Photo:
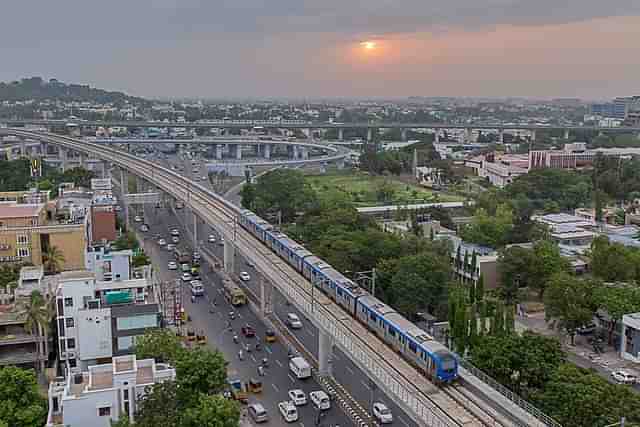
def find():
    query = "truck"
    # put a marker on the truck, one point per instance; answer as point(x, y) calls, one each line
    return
point(233, 293)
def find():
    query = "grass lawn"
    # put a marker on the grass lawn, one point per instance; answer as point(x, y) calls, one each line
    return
point(362, 189)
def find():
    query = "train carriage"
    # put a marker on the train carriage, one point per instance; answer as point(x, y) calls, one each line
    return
point(256, 225)
point(371, 311)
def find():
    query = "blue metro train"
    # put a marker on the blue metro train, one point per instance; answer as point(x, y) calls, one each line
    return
point(414, 344)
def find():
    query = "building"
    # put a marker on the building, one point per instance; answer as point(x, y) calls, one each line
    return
point(19, 346)
point(103, 218)
point(572, 233)
point(32, 196)
point(27, 231)
point(501, 169)
point(608, 109)
point(104, 392)
point(99, 313)
point(470, 261)
point(630, 342)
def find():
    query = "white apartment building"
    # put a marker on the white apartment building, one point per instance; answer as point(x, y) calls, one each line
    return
point(104, 392)
point(100, 312)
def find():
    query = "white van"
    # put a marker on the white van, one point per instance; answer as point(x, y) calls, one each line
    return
point(300, 367)
point(320, 399)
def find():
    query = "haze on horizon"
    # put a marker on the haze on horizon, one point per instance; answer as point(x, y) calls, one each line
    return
point(334, 48)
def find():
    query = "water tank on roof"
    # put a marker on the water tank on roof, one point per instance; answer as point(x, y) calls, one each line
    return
point(118, 297)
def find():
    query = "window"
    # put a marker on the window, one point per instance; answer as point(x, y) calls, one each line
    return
point(72, 363)
point(104, 411)
point(23, 252)
point(71, 343)
point(68, 302)
point(137, 322)
point(61, 327)
point(125, 343)
point(125, 394)
point(22, 239)
point(69, 322)
point(60, 307)
point(413, 347)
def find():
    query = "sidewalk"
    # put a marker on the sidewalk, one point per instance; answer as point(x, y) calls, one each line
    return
point(581, 353)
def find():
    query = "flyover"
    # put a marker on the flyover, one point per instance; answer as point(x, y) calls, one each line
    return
point(246, 124)
point(427, 404)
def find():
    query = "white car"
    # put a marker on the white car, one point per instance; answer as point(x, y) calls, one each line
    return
point(244, 276)
point(172, 265)
point(144, 228)
point(196, 288)
point(186, 277)
point(171, 246)
point(320, 399)
point(382, 413)
point(138, 218)
point(175, 232)
point(212, 238)
point(204, 178)
point(185, 267)
point(221, 241)
point(288, 411)
point(162, 242)
point(175, 239)
point(298, 397)
point(294, 321)
point(624, 377)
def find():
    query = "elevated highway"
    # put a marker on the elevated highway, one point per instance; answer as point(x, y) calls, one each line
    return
point(428, 405)
point(246, 124)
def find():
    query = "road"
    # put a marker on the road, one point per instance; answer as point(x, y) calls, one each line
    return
point(344, 370)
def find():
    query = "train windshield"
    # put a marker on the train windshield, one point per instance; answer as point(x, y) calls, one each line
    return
point(448, 362)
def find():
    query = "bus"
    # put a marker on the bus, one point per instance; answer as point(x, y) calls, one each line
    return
point(234, 294)
point(182, 256)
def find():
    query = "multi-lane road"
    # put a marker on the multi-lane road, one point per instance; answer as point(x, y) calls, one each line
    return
point(278, 379)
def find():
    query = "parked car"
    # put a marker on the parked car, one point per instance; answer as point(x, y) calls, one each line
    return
point(258, 413)
point(196, 288)
point(171, 246)
point(382, 413)
point(172, 265)
point(212, 238)
point(186, 277)
point(175, 232)
point(586, 329)
point(144, 228)
point(294, 321)
point(624, 377)
point(244, 276)
point(137, 218)
point(175, 239)
point(162, 242)
point(298, 397)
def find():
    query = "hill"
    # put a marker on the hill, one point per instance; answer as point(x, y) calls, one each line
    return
point(35, 88)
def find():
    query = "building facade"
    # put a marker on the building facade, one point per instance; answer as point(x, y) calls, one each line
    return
point(630, 342)
point(27, 231)
point(103, 393)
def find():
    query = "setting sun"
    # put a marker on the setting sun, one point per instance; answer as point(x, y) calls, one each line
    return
point(369, 45)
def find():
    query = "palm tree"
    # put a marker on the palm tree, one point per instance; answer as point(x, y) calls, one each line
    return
point(37, 314)
point(53, 260)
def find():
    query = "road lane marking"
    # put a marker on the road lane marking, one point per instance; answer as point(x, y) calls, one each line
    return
point(279, 363)
point(365, 384)
point(275, 387)
point(350, 370)
point(254, 359)
point(291, 378)
point(403, 421)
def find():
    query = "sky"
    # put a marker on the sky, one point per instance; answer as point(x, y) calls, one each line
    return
point(314, 48)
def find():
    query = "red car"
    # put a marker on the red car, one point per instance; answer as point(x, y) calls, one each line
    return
point(248, 331)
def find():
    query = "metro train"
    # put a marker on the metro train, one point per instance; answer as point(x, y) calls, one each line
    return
point(415, 345)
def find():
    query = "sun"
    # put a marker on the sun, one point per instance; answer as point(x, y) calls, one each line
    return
point(369, 45)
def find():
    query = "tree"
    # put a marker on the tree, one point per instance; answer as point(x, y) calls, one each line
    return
point(212, 411)
point(127, 240)
point(140, 259)
point(569, 302)
point(21, 403)
point(521, 363)
point(159, 406)
point(612, 262)
point(576, 397)
point(53, 260)
point(79, 176)
point(248, 196)
point(513, 266)
point(284, 192)
point(161, 345)
point(200, 371)
point(480, 288)
point(547, 261)
point(488, 230)
point(38, 315)
point(618, 301)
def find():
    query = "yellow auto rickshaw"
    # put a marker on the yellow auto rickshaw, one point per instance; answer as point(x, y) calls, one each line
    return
point(255, 386)
point(270, 336)
point(202, 338)
point(191, 335)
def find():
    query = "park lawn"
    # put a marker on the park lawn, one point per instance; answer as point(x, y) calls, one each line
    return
point(361, 189)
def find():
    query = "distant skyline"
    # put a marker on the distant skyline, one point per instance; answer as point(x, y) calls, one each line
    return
point(336, 48)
